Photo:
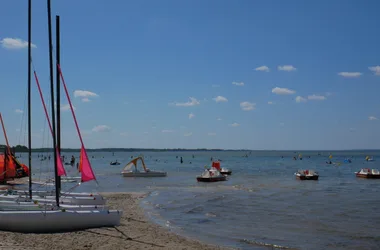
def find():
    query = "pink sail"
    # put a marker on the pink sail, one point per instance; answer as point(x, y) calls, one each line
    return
point(85, 167)
point(61, 169)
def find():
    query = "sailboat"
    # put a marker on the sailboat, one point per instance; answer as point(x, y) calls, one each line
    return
point(48, 198)
point(58, 220)
point(10, 167)
point(89, 198)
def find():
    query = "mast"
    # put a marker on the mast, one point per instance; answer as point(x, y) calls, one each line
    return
point(57, 189)
point(58, 86)
point(30, 95)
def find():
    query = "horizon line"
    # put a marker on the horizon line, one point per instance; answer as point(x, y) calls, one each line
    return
point(203, 149)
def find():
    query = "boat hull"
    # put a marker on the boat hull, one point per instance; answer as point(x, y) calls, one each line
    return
point(51, 199)
point(14, 205)
point(57, 221)
point(52, 193)
point(144, 174)
point(226, 172)
point(368, 176)
point(211, 179)
point(303, 177)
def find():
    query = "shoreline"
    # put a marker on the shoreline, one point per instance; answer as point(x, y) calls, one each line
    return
point(136, 231)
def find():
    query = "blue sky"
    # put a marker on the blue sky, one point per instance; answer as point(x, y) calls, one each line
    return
point(253, 74)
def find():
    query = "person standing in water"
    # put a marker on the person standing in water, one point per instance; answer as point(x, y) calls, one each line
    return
point(72, 162)
point(181, 160)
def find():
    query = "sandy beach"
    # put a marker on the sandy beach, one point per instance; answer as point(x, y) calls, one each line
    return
point(135, 232)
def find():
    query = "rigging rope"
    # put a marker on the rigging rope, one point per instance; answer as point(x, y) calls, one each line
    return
point(22, 121)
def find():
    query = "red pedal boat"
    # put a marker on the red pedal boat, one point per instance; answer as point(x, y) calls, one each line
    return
point(368, 173)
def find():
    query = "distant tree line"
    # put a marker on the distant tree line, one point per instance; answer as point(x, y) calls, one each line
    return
point(17, 148)
point(21, 148)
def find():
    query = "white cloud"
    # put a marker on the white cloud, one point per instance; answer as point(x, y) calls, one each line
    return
point(191, 115)
point(234, 124)
point(220, 99)
point(101, 128)
point(66, 107)
point(86, 132)
point(219, 119)
point(167, 131)
point(375, 70)
point(350, 74)
point(188, 134)
point(317, 97)
point(282, 91)
point(262, 68)
point(238, 83)
point(246, 106)
point(124, 134)
point(19, 111)
point(286, 68)
point(372, 118)
point(282, 124)
point(215, 86)
point(211, 134)
point(193, 101)
point(328, 93)
point(271, 103)
point(300, 99)
point(85, 95)
point(15, 43)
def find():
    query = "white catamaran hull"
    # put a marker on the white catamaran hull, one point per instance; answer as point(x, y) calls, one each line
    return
point(51, 199)
point(57, 221)
point(144, 174)
point(52, 193)
point(14, 205)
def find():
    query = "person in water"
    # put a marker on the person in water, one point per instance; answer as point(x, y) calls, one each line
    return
point(181, 160)
point(72, 162)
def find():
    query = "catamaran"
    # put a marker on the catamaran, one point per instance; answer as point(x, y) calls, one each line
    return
point(96, 198)
point(59, 219)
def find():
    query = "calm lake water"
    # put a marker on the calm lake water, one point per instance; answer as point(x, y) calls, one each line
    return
point(261, 206)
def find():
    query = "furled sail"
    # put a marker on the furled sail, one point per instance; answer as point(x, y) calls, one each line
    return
point(87, 174)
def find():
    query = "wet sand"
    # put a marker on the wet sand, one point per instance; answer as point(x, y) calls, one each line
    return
point(135, 232)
